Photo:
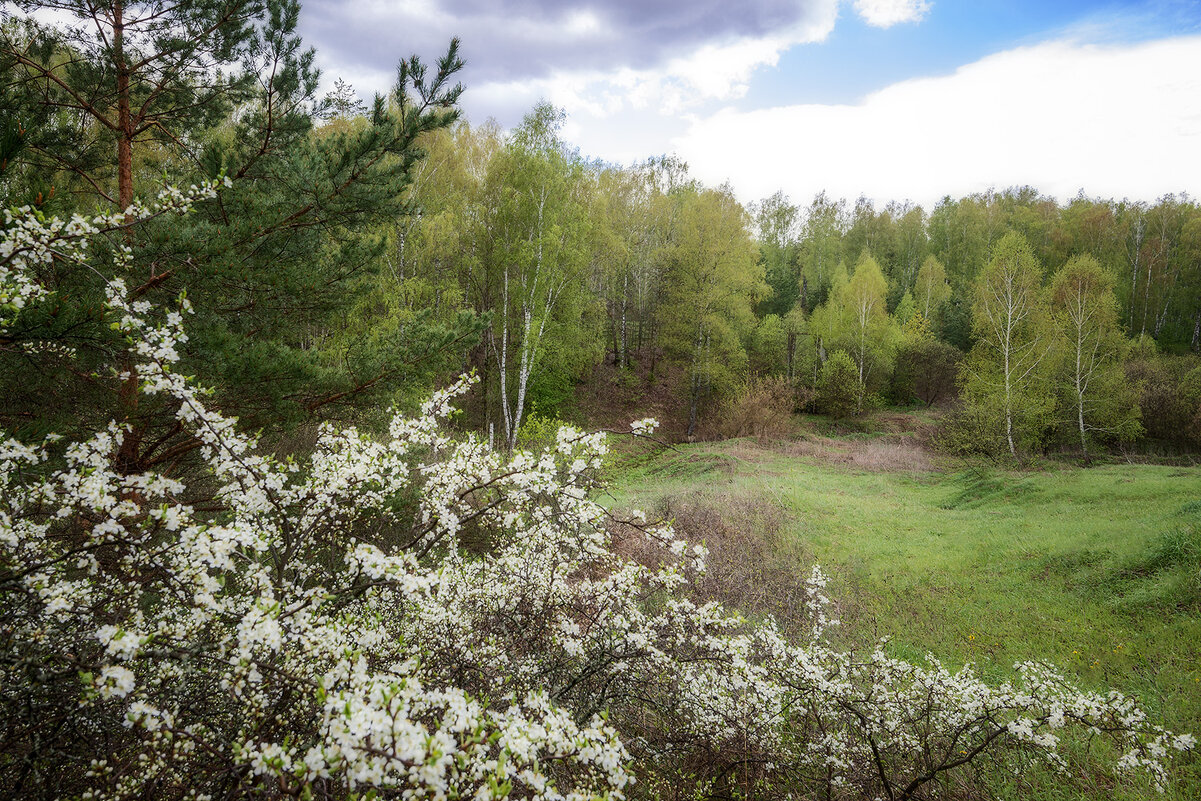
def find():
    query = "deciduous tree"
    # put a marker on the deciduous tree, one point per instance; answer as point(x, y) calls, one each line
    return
point(712, 280)
point(1085, 312)
point(1006, 374)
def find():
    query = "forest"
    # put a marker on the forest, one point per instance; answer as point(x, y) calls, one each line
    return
point(297, 494)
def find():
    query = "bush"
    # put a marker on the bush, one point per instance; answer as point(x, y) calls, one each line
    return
point(537, 433)
point(838, 386)
point(925, 369)
point(1169, 395)
point(763, 408)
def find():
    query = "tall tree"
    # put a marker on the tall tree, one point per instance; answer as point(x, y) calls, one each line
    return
point(277, 262)
point(536, 254)
point(856, 320)
point(713, 279)
point(1006, 372)
point(342, 102)
point(931, 289)
point(821, 248)
point(143, 72)
point(776, 223)
point(1086, 315)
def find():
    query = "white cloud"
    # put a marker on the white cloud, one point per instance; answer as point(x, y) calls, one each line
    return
point(1061, 116)
point(886, 13)
point(716, 71)
point(592, 57)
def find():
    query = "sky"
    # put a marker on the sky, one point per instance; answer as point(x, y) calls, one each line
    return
point(906, 100)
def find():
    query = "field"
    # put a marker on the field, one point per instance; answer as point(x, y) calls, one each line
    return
point(1095, 570)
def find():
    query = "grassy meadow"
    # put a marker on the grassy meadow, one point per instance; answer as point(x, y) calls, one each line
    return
point(1097, 571)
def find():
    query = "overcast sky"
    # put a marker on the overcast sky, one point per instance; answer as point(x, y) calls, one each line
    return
point(893, 99)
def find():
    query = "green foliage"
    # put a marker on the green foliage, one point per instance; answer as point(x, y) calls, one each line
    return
point(768, 349)
point(839, 392)
point(712, 279)
point(821, 248)
point(538, 433)
point(776, 221)
point(1095, 394)
point(1075, 551)
point(1168, 397)
point(905, 309)
point(856, 320)
point(931, 289)
point(282, 268)
point(1005, 380)
point(926, 369)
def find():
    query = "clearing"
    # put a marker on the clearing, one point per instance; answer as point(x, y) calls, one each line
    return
point(1097, 571)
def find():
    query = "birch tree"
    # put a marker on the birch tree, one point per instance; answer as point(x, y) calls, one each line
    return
point(536, 252)
point(1006, 373)
point(856, 320)
point(821, 247)
point(931, 289)
point(1086, 317)
point(626, 234)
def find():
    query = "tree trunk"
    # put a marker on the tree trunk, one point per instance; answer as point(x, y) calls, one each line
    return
point(694, 390)
point(616, 344)
point(623, 358)
point(1013, 451)
point(1080, 422)
point(503, 357)
point(791, 354)
point(124, 114)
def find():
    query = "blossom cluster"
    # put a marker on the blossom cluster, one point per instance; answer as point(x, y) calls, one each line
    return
point(31, 240)
point(419, 615)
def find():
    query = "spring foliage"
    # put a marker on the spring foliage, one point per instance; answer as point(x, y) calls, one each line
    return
point(414, 614)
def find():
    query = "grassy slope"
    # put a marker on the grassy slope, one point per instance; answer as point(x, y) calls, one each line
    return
point(1066, 565)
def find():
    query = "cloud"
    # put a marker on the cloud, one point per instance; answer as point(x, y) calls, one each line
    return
point(593, 56)
point(1117, 121)
point(886, 13)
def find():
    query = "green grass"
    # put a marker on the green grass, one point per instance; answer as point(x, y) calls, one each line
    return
point(1097, 571)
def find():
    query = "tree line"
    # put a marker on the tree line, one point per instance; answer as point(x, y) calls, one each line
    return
point(1057, 325)
point(382, 249)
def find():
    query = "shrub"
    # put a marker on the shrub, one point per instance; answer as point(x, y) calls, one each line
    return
point(537, 433)
point(838, 386)
point(1169, 395)
point(925, 369)
point(763, 408)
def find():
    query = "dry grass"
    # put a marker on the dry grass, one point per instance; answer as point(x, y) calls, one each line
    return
point(883, 454)
point(763, 408)
point(752, 566)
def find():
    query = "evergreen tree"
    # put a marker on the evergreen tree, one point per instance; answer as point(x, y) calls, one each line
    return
point(142, 73)
point(276, 266)
point(342, 102)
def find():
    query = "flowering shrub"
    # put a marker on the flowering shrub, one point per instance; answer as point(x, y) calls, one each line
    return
point(416, 616)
